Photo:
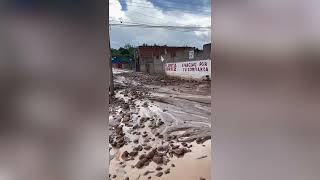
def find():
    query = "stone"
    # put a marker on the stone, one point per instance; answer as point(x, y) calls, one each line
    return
point(136, 126)
point(147, 147)
point(179, 151)
point(136, 141)
point(159, 174)
point(142, 156)
point(126, 106)
point(127, 178)
point(141, 162)
point(167, 171)
point(172, 165)
point(201, 178)
point(158, 168)
point(146, 163)
point(126, 118)
point(138, 148)
point(151, 154)
point(157, 159)
point(163, 148)
point(147, 172)
point(125, 155)
point(133, 153)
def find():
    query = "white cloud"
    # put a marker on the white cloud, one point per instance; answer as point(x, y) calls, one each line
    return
point(143, 11)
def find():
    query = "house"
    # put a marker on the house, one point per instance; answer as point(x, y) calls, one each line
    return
point(151, 59)
point(207, 51)
point(122, 62)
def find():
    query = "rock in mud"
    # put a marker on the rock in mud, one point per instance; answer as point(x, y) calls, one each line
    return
point(167, 171)
point(147, 172)
point(125, 155)
point(201, 140)
point(127, 178)
point(136, 126)
point(146, 163)
point(159, 174)
point(138, 148)
point(202, 157)
point(172, 165)
point(147, 147)
point(158, 168)
point(157, 159)
point(151, 154)
point(141, 162)
point(163, 148)
point(174, 146)
point(126, 118)
point(202, 178)
point(136, 141)
point(126, 106)
point(165, 160)
point(145, 104)
point(133, 153)
point(142, 156)
point(184, 144)
point(144, 135)
point(179, 151)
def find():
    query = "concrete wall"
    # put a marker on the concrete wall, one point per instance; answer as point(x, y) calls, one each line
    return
point(200, 69)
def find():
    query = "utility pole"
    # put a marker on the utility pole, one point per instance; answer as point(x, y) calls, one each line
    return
point(111, 85)
point(111, 74)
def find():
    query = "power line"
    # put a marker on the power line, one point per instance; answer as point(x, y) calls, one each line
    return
point(137, 24)
point(201, 27)
point(190, 28)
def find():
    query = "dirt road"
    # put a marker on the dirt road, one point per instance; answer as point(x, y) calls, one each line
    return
point(160, 128)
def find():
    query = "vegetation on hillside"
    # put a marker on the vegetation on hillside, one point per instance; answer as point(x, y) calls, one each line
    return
point(127, 50)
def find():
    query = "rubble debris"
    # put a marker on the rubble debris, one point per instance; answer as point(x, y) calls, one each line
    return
point(159, 174)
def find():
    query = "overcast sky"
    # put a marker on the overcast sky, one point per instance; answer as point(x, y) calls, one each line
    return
point(159, 12)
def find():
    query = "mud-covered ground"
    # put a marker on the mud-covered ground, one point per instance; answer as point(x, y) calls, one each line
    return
point(160, 128)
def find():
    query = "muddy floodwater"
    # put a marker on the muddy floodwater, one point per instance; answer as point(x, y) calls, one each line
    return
point(159, 128)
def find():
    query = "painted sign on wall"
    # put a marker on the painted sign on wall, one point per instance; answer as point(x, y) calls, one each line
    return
point(191, 69)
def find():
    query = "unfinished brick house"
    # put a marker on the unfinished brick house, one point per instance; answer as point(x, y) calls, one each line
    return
point(151, 59)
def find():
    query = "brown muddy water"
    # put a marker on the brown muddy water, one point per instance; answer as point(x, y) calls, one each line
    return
point(192, 166)
point(141, 112)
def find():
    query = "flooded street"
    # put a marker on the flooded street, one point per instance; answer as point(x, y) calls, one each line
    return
point(160, 128)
